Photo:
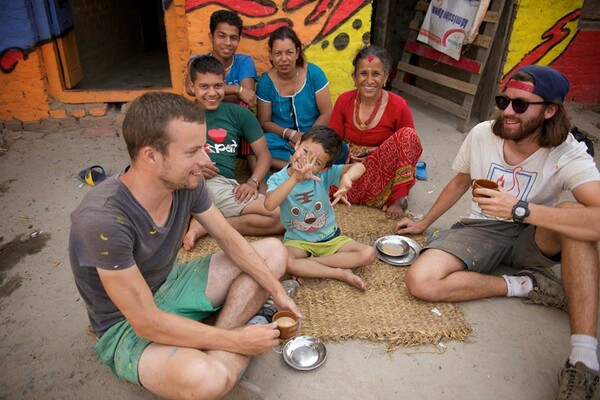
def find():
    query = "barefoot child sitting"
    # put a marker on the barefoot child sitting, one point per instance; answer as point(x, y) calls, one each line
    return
point(301, 191)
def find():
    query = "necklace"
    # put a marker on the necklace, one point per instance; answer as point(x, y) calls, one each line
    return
point(363, 125)
point(229, 68)
point(278, 87)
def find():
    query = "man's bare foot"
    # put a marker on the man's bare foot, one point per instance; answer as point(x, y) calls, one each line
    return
point(348, 276)
point(192, 236)
point(396, 209)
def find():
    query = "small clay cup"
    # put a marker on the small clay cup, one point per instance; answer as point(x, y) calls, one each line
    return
point(287, 329)
point(483, 184)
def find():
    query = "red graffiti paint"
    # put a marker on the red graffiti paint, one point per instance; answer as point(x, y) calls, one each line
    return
point(10, 58)
point(552, 37)
point(264, 30)
point(317, 12)
point(249, 8)
point(337, 12)
point(341, 12)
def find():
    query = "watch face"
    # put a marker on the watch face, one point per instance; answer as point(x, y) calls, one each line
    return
point(520, 212)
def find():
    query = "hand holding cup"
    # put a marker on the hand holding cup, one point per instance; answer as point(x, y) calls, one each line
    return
point(287, 324)
point(483, 184)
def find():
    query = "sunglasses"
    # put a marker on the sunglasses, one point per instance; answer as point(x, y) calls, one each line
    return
point(518, 105)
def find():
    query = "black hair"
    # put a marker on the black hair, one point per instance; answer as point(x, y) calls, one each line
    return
point(326, 137)
point(229, 17)
point(374, 51)
point(285, 32)
point(205, 65)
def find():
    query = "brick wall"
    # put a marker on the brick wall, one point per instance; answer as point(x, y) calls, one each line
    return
point(23, 89)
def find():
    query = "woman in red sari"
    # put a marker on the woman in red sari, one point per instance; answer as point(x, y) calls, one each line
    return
point(378, 128)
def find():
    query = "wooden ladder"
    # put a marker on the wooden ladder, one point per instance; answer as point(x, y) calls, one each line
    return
point(463, 76)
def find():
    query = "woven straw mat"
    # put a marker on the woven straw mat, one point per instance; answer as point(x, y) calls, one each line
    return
point(386, 312)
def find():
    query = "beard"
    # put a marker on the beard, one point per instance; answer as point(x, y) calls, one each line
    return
point(187, 183)
point(525, 130)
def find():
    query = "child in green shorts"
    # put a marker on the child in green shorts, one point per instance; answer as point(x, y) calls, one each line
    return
point(301, 190)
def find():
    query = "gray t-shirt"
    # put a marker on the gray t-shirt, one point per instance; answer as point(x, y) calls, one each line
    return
point(111, 230)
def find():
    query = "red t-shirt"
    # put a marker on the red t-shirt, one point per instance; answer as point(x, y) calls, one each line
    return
point(395, 116)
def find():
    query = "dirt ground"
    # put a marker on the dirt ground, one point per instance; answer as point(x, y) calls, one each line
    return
point(515, 352)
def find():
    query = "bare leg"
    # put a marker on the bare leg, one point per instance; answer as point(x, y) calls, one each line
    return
point(175, 372)
point(299, 264)
point(351, 255)
point(579, 272)
point(255, 220)
point(440, 276)
point(580, 281)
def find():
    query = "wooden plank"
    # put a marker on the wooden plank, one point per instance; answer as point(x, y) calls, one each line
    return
point(423, 50)
point(422, 6)
point(431, 98)
point(69, 59)
point(443, 80)
point(492, 17)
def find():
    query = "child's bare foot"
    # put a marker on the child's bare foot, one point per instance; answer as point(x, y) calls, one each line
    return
point(351, 279)
point(396, 209)
point(299, 279)
point(192, 236)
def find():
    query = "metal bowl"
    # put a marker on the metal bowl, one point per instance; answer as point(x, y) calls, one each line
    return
point(404, 260)
point(393, 246)
point(304, 353)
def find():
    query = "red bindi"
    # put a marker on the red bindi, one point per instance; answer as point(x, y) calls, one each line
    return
point(370, 58)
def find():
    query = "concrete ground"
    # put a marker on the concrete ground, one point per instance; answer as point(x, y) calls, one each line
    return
point(515, 352)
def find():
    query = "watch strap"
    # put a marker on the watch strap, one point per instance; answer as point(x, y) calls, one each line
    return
point(520, 204)
point(256, 181)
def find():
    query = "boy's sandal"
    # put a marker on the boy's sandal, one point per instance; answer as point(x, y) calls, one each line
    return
point(93, 175)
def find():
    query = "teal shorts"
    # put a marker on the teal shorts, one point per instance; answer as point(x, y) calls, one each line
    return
point(183, 293)
point(319, 249)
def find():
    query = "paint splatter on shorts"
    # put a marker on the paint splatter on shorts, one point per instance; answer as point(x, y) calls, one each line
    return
point(483, 245)
point(183, 293)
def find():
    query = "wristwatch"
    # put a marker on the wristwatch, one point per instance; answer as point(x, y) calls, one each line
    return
point(520, 211)
point(255, 181)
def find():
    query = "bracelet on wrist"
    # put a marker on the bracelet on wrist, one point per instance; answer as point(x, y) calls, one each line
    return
point(292, 135)
point(284, 133)
point(256, 182)
point(240, 88)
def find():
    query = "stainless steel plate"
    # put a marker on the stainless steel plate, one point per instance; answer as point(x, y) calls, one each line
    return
point(393, 246)
point(304, 353)
point(402, 261)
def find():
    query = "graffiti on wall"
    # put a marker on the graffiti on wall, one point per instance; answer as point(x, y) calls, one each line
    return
point(331, 31)
point(23, 29)
point(551, 44)
point(551, 36)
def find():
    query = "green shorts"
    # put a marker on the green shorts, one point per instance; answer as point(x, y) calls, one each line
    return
point(319, 249)
point(183, 293)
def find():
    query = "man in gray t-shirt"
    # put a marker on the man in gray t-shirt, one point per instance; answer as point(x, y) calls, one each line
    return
point(146, 306)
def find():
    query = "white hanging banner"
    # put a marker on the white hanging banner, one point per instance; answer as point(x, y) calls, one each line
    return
point(447, 23)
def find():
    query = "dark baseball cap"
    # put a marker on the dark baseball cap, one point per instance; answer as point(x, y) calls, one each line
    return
point(550, 84)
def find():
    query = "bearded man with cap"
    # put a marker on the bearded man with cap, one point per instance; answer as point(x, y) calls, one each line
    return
point(528, 151)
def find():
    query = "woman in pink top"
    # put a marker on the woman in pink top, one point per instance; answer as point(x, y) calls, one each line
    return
point(378, 128)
